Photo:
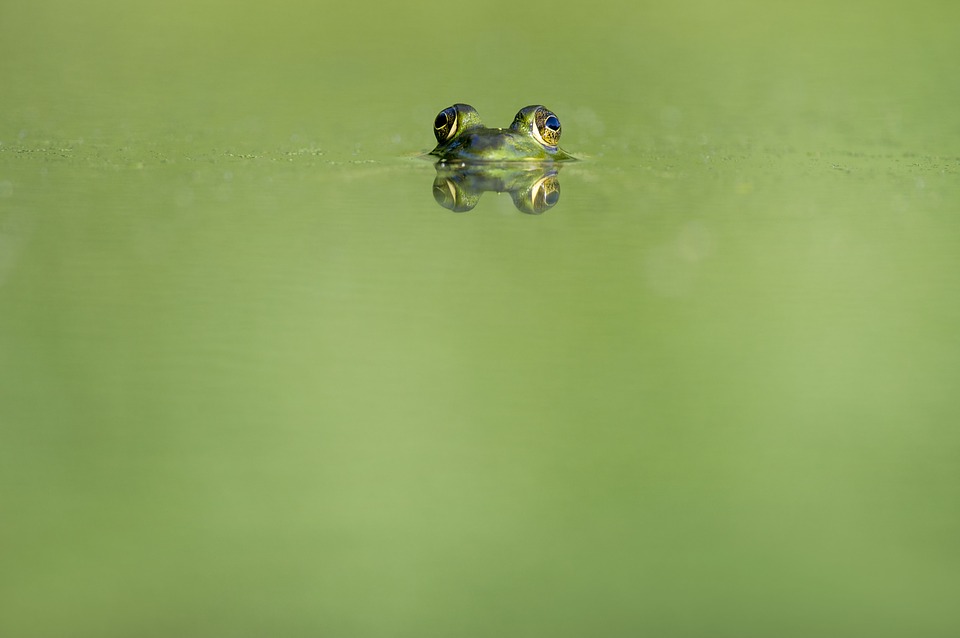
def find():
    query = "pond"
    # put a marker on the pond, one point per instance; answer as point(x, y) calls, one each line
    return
point(267, 370)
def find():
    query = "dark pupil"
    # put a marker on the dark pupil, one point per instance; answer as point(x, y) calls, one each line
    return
point(552, 123)
point(441, 120)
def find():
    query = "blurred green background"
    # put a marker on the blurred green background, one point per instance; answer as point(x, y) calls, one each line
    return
point(254, 381)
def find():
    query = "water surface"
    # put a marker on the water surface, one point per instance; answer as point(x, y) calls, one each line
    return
point(256, 381)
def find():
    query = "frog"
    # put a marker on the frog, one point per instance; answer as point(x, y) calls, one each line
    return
point(533, 136)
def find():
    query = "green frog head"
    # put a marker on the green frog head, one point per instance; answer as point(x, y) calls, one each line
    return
point(533, 136)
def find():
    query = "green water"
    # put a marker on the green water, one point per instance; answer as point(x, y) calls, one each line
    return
point(254, 381)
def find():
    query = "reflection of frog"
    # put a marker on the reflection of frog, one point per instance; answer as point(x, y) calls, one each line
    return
point(462, 137)
point(534, 188)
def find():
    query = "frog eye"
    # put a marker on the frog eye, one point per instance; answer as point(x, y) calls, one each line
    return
point(445, 126)
point(547, 128)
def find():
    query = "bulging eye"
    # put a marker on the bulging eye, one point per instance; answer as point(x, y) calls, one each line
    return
point(445, 126)
point(552, 123)
point(547, 127)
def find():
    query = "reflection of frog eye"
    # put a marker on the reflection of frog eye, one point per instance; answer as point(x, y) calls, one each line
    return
point(547, 127)
point(445, 126)
point(540, 197)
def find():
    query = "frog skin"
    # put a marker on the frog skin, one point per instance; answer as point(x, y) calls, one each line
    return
point(532, 137)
